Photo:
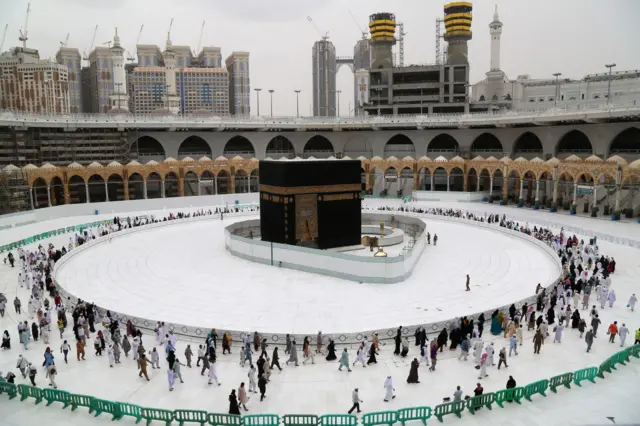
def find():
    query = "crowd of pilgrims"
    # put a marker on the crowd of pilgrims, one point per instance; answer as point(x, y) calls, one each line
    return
point(585, 270)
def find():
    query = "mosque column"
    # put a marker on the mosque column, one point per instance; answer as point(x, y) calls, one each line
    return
point(86, 191)
point(181, 186)
point(198, 188)
point(594, 210)
point(31, 198)
point(49, 195)
point(537, 200)
point(106, 191)
point(520, 199)
point(416, 181)
point(616, 210)
point(432, 180)
point(215, 185)
point(65, 189)
point(126, 188)
point(575, 197)
point(144, 188)
point(448, 183)
point(490, 187)
point(629, 212)
point(478, 184)
point(554, 202)
point(162, 187)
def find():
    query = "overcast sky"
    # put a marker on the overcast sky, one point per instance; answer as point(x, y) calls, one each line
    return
point(540, 37)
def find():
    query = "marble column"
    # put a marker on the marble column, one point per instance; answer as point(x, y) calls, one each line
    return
point(215, 185)
point(162, 188)
point(31, 198)
point(86, 191)
point(106, 191)
point(144, 188)
point(432, 180)
point(521, 190)
point(575, 195)
point(538, 191)
point(478, 186)
point(490, 186)
point(49, 195)
point(198, 188)
point(618, 199)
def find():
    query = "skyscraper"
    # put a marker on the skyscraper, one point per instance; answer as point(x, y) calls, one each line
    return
point(239, 83)
point(324, 78)
point(70, 57)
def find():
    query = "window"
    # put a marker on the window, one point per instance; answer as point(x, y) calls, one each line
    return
point(147, 60)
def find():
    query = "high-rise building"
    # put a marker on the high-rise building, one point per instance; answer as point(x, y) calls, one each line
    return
point(70, 57)
point(101, 79)
point(203, 89)
point(361, 65)
point(210, 57)
point(239, 83)
point(149, 55)
point(150, 90)
point(128, 70)
point(324, 78)
point(30, 84)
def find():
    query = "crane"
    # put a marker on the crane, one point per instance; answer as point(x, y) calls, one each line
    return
point(93, 40)
point(365, 33)
point(401, 35)
point(108, 43)
point(23, 34)
point(169, 32)
point(200, 39)
point(65, 42)
point(324, 36)
point(4, 36)
point(130, 57)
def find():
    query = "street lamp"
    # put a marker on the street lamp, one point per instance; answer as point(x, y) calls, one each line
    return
point(271, 96)
point(555, 98)
point(297, 103)
point(258, 100)
point(610, 66)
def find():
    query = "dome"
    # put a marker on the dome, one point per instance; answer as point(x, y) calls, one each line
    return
point(376, 158)
point(48, 166)
point(75, 165)
point(283, 159)
point(573, 158)
point(311, 158)
point(392, 158)
point(268, 159)
point(536, 160)
point(553, 160)
point(114, 164)
point(424, 158)
point(237, 158)
point(331, 158)
point(94, 165)
point(297, 158)
point(478, 158)
point(361, 158)
point(254, 160)
point(204, 158)
point(618, 160)
point(457, 159)
point(409, 159)
point(152, 163)
point(11, 168)
point(222, 158)
point(441, 159)
point(492, 158)
point(520, 160)
point(634, 165)
point(187, 160)
point(506, 160)
point(593, 159)
point(133, 163)
point(29, 167)
point(170, 160)
point(346, 157)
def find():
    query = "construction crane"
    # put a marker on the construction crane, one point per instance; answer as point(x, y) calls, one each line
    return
point(130, 57)
point(364, 33)
point(401, 35)
point(200, 39)
point(441, 57)
point(4, 36)
point(324, 36)
point(169, 32)
point(23, 34)
point(65, 42)
point(108, 43)
point(85, 56)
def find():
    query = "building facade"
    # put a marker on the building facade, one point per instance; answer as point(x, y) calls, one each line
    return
point(150, 89)
point(70, 57)
point(203, 90)
point(239, 83)
point(323, 56)
point(32, 85)
point(101, 79)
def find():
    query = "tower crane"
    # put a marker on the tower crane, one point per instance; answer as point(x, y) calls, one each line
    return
point(23, 34)
point(169, 32)
point(85, 56)
point(200, 39)
point(324, 36)
point(4, 36)
point(65, 42)
point(108, 43)
point(130, 57)
point(364, 33)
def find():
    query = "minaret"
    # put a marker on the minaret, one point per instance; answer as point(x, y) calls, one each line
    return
point(119, 99)
point(496, 32)
point(173, 102)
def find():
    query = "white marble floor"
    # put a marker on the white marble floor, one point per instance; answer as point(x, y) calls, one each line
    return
point(320, 388)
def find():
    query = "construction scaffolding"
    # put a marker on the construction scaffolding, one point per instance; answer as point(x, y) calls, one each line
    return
point(14, 191)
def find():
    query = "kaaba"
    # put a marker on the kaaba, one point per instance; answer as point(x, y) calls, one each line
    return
point(312, 203)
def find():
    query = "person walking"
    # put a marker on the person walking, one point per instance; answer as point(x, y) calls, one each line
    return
point(468, 282)
point(171, 378)
point(631, 304)
point(213, 376)
point(176, 369)
point(205, 364)
point(65, 348)
point(33, 371)
point(558, 333)
point(142, 366)
point(623, 332)
point(513, 345)
point(319, 343)
point(275, 359)
point(613, 330)
point(464, 349)
point(293, 354)
point(589, 339)
point(502, 358)
point(243, 399)
point(457, 395)
point(389, 389)
point(637, 337)
point(483, 366)
point(262, 385)
point(355, 398)
point(23, 366)
point(233, 403)
point(252, 379)
point(188, 353)
point(595, 323)
point(538, 340)
point(434, 355)
point(155, 359)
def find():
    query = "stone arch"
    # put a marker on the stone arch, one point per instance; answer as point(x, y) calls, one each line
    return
point(239, 146)
point(443, 144)
point(147, 148)
point(527, 143)
point(488, 144)
point(485, 180)
point(136, 186)
point(207, 183)
point(154, 185)
point(456, 179)
point(280, 146)
point(440, 179)
point(406, 181)
point(115, 187)
point(40, 197)
point(190, 184)
point(400, 146)
point(224, 182)
point(171, 185)
point(626, 142)
point(57, 191)
point(472, 180)
point(391, 183)
point(529, 179)
point(97, 190)
point(574, 142)
point(195, 147)
point(77, 190)
point(318, 147)
point(358, 146)
point(241, 181)
point(424, 179)
point(254, 181)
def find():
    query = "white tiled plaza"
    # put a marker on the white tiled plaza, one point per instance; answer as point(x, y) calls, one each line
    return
point(181, 273)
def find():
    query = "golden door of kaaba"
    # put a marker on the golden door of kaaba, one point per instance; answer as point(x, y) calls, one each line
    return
point(306, 206)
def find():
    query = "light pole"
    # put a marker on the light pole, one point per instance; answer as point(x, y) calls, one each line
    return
point(258, 100)
point(555, 98)
point(610, 66)
point(271, 96)
point(297, 103)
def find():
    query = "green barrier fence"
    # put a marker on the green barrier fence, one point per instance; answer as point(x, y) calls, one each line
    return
point(634, 351)
point(589, 374)
point(380, 418)
point(26, 391)
point(151, 414)
point(54, 395)
point(560, 380)
point(261, 420)
point(509, 395)
point(191, 416)
point(338, 420)
point(216, 419)
point(9, 388)
point(80, 401)
point(605, 367)
point(539, 387)
point(455, 407)
point(100, 406)
point(129, 410)
point(477, 402)
point(414, 413)
point(300, 420)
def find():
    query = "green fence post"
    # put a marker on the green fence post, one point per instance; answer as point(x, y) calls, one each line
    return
point(300, 420)
point(77, 400)
point(10, 388)
point(414, 413)
point(536, 387)
point(455, 407)
point(103, 406)
point(560, 380)
point(151, 414)
point(604, 367)
point(477, 402)
point(26, 391)
point(509, 395)
point(54, 395)
point(190, 416)
point(130, 410)
point(216, 419)
point(338, 420)
point(380, 418)
point(261, 420)
point(589, 373)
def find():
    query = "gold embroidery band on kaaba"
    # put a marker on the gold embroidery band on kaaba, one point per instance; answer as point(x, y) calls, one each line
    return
point(322, 189)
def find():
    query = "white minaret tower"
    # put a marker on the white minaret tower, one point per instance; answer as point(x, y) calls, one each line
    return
point(173, 102)
point(119, 99)
point(496, 32)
